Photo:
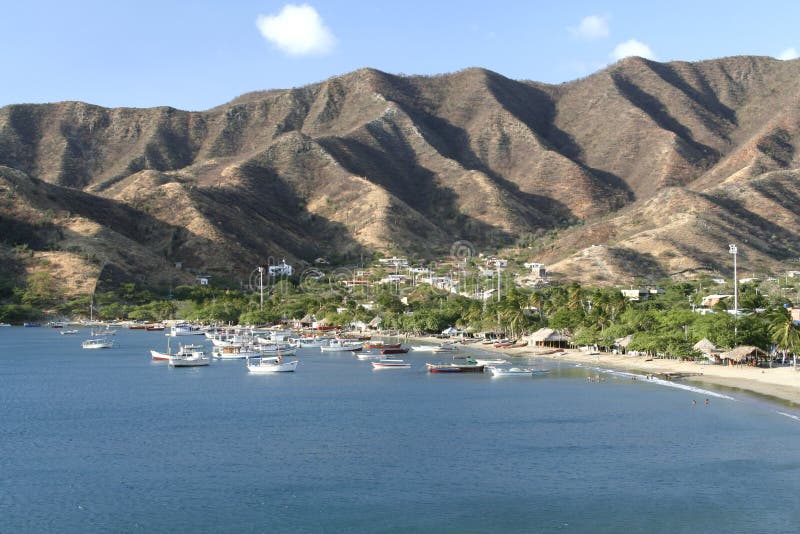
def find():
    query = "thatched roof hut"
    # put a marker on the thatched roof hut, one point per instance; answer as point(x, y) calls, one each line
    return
point(623, 342)
point(743, 353)
point(704, 346)
point(548, 337)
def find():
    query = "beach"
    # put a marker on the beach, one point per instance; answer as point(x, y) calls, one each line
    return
point(779, 383)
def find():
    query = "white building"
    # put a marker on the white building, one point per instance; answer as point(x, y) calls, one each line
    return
point(537, 268)
point(393, 261)
point(282, 269)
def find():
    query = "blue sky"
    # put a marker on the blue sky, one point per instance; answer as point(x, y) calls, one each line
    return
point(200, 54)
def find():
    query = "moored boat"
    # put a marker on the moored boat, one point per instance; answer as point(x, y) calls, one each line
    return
point(270, 365)
point(454, 368)
point(337, 345)
point(98, 343)
point(395, 350)
point(68, 332)
point(381, 345)
point(189, 358)
point(391, 363)
point(516, 371)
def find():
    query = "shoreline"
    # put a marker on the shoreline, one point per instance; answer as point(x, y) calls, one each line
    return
point(778, 384)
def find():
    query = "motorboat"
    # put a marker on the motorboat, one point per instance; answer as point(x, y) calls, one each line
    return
point(395, 350)
point(368, 356)
point(382, 345)
point(391, 363)
point(236, 352)
point(277, 350)
point(68, 332)
point(189, 358)
point(2, 325)
point(270, 365)
point(337, 345)
point(495, 361)
point(98, 343)
point(454, 367)
point(445, 348)
point(516, 371)
point(185, 329)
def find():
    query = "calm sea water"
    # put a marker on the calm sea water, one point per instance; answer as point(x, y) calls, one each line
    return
point(108, 441)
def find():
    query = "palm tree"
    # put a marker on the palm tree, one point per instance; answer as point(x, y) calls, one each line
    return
point(784, 332)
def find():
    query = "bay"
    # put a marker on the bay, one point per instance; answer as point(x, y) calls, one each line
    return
point(107, 440)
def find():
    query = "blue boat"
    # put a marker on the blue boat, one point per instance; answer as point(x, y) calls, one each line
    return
point(31, 325)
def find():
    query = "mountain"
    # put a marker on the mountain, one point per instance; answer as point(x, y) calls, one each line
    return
point(641, 170)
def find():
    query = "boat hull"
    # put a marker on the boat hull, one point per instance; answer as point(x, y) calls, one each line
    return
point(269, 368)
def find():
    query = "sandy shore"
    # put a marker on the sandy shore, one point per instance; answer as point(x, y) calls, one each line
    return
point(781, 383)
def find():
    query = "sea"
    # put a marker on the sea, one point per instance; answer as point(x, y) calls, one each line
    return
point(110, 441)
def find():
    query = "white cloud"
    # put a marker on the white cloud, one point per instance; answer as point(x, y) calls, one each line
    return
point(632, 47)
point(297, 30)
point(789, 53)
point(591, 27)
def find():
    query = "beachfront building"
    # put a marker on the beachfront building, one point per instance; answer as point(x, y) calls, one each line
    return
point(549, 337)
point(745, 354)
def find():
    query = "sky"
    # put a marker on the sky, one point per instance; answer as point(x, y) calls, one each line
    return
point(201, 54)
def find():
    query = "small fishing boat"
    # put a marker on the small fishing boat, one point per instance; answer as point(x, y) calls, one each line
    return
point(445, 348)
point(454, 368)
point(337, 345)
point(31, 325)
point(516, 371)
point(382, 345)
point(368, 356)
point(189, 358)
point(495, 361)
point(98, 343)
point(2, 325)
point(391, 363)
point(395, 350)
point(270, 365)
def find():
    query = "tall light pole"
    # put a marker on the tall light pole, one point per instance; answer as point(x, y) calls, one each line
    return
point(261, 286)
point(734, 250)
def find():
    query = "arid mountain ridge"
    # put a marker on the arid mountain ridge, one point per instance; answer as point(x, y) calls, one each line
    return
point(642, 170)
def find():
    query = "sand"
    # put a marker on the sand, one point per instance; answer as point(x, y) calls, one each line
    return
point(779, 383)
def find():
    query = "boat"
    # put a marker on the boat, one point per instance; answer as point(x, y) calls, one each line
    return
point(496, 361)
point(445, 348)
point(454, 367)
point(98, 343)
point(396, 350)
point(382, 345)
point(272, 364)
point(337, 345)
point(516, 371)
point(277, 350)
point(55, 324)
point(31, 325)
point(154, 327)
point(391, 363)
point(368, 355)
point(236, 352)
point(68, 332)
point(189, 358)
point(185, 329)
point(2, 325)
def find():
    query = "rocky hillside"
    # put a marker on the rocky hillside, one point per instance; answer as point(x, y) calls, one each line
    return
point(644, 169)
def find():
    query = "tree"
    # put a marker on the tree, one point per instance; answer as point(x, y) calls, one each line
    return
point(784, 332)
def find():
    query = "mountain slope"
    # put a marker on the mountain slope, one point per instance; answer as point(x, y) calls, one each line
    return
point(660, 163)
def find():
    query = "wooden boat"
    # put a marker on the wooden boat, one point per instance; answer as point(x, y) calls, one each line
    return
point(454, 368)
point(270, 365)
point(154, 327)
point(381, 345)
point(516, 371)
point(189, 358)
point(391, 363)
point(394, 350)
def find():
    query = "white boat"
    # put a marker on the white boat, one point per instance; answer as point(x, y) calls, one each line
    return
point(2, 325)
point(368, 356)
point(337, 345)
point(68, 332)
point(236, 352)
point(516, 371)
point(445, 348)
point(189, 358)
point(185, 329)
point(391, 363)
point(98, 343)
point(270, 365)
point(277, 350)
point(496, 361)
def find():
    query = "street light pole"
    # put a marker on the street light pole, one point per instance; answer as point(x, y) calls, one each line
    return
point(733, 249)
point(261, 287)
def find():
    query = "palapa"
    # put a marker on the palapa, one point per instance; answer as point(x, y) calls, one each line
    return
point(742, 353)
point(705, 346)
